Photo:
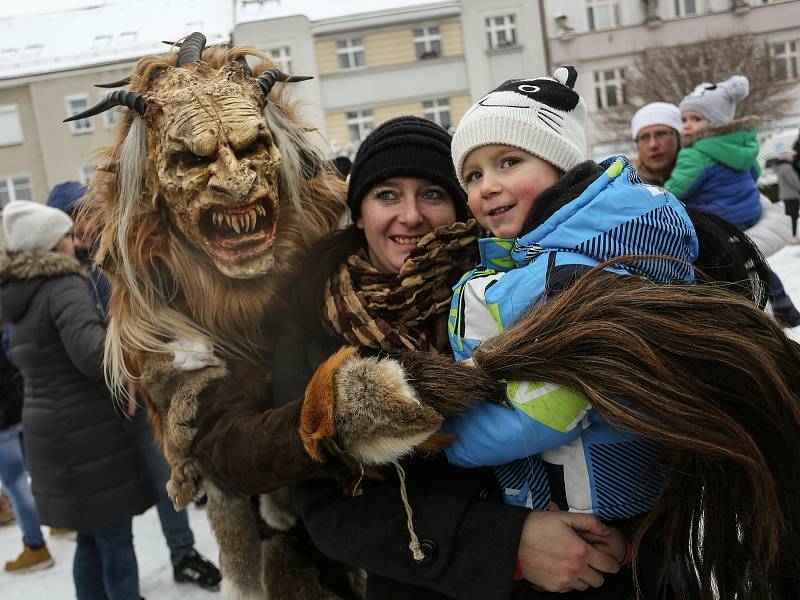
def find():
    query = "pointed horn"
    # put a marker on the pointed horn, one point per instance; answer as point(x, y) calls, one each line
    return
point(114, 84)
point(130, 100)
point(191, 49)
point(268, 78)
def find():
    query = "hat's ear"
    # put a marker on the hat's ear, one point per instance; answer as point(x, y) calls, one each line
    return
point(566, 75)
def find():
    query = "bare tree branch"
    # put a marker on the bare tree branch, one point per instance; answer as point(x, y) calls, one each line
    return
point(668, 74)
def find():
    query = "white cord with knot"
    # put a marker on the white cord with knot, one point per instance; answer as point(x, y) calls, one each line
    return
point(414, 546)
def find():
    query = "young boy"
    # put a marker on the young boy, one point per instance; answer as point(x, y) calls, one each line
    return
point(518, 152)
point(716, 169)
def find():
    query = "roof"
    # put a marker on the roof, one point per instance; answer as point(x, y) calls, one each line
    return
point(114, 30)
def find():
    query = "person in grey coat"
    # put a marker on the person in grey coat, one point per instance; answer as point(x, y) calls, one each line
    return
point(86, 471)
point(788, 186)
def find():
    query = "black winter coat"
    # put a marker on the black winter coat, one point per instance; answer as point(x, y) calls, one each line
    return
point(10, 393)
point(85, 467)
point(469, 537)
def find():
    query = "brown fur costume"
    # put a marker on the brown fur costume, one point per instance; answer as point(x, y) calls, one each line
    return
point(205, 204)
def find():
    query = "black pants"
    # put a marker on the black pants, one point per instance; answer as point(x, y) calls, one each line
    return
point(792, 207)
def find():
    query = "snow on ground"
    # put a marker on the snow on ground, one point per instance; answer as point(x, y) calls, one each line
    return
point(155, 572)
point(155, 569)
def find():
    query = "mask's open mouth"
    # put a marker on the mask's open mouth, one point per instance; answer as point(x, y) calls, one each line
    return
point(239, 232)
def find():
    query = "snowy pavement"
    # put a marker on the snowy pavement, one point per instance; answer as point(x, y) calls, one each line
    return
point(155, 572)
point(155, 569)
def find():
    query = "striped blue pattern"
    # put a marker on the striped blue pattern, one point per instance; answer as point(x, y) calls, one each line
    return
point(624, 482)
point(525, 475)
point(658, 232)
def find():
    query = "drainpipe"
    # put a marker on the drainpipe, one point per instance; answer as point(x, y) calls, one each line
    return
point(545, 39)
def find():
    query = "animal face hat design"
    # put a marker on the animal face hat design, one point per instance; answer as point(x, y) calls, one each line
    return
point(543, 116)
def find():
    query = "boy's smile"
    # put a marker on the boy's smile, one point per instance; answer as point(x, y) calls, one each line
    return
point(503, 183)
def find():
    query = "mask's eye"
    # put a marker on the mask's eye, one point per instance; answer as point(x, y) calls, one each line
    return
point(255, 147)
point(190, 160)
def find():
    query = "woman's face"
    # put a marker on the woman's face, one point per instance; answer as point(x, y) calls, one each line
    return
point(396, 213)
point(66, 245)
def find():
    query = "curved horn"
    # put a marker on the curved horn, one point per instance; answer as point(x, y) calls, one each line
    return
point(119, 98)
point(243, 61)
point(114, 84)
point(191, 49)
point(268, 78)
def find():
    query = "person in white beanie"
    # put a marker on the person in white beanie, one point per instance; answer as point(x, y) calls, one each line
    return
point(656, 131)
point(716, 169)
point(87, 473)
point(31, 227)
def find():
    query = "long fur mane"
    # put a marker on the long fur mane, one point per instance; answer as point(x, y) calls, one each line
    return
point(162, 287)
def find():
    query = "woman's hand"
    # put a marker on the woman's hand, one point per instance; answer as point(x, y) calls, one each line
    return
point(614, 544)
point(553, 556)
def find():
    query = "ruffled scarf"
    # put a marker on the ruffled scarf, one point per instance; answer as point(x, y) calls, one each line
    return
point(401, 311)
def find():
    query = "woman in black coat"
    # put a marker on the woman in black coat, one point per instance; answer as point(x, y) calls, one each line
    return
point(86, 471)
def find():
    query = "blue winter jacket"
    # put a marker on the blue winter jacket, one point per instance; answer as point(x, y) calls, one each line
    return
point(716, 171)
point(552, 444)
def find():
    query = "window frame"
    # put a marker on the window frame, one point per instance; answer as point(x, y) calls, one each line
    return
point(614, 14)
point(362, 119)
point(284, 58)
point(426, 40)
point(9, 108)
point(492, 29)
point(790, 56)
point(602, 85)
point(8, 181)
point(680, 8)
point(350, 50)
point(434, 112)
point(74, 126)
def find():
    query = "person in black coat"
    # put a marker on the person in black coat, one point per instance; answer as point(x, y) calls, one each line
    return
point(87, 473)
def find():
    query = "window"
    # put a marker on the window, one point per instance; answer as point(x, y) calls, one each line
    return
point(112, 116)
point(602, 14)
point(126, 38)
point(609, 88)
point(684, 8)
point(350, 53)
point(784, 61)
point(282, 56)
point(359, 124)
point(10, 125)
point(76, 104)
point(101, 41)
point(438, 111)
point(29, 52)
point(15, 188)
point(427, 42)
point(86, 172)
point(501, 32)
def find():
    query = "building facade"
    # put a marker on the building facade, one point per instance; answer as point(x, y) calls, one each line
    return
point(603, 38)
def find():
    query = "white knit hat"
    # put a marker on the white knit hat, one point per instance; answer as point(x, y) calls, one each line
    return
point(30, 226)
point(543, 116)
point(656, 113)
point(717, 102)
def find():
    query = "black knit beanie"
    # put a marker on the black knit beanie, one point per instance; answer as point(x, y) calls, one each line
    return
point(405, 147)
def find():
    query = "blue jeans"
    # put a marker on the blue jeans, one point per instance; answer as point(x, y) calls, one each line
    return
point(105, 566)
point(174, 524)
point(14, 478)
point(777, 294)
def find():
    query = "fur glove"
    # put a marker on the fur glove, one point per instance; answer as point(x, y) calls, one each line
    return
point(380, 409)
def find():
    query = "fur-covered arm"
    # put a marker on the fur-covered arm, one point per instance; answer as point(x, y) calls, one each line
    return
point(380, 409)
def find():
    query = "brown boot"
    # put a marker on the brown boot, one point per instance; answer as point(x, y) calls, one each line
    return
point(6, 512)
point(31, 559)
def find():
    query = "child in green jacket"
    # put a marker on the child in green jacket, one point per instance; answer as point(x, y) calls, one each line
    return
point(716, 169)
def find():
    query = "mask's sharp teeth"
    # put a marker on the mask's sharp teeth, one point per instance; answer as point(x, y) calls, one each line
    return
point(253, 218)
point(261, 211)
point(229, 221)
point(237, 224)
